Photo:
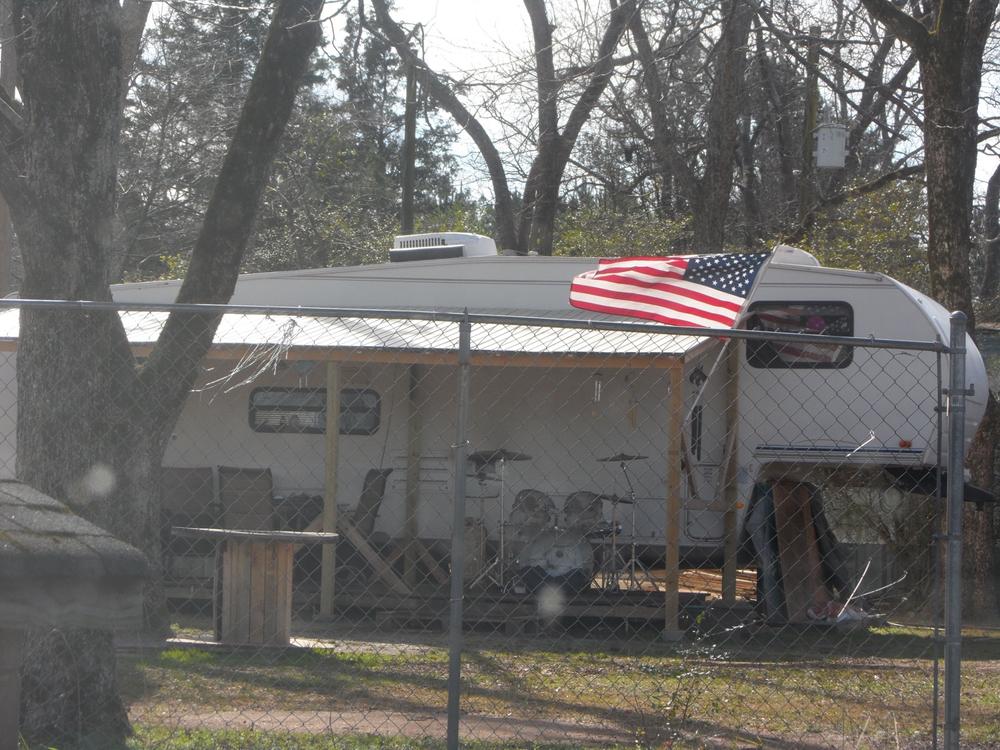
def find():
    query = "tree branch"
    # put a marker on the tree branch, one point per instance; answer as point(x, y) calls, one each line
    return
point(601, 71)
point(225, 233)
point(442, 93)
point(903, 173)
point(900, 23)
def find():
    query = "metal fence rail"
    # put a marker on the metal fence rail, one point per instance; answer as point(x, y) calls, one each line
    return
point(572, 533)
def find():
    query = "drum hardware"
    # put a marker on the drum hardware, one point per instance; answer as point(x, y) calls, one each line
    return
point(495, 460)
point(623, 459)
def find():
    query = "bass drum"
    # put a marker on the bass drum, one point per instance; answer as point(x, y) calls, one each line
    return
point(556, 558)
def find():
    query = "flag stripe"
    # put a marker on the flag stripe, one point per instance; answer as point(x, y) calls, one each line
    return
point(683, 289)
point(693, 317)
point(656, 314)
point(704, 291)
point(712, 316)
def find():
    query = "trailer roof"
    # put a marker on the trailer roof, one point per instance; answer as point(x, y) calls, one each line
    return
point(373, 337)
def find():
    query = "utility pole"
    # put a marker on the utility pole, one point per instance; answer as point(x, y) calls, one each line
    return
point(806, 177)
point(409, 150)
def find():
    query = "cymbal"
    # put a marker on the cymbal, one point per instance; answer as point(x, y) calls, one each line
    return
point(498, 454)
point(619, 457)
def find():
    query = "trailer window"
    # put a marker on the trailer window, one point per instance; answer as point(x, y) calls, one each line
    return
point(829, 318)
point(303, 410)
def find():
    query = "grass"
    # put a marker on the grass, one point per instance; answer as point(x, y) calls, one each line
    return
point(253, 740)
point(808, 688)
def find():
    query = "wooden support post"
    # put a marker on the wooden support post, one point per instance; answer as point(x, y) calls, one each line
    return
point(675, 426)
point(11, 651)
point(413, 451)
point(328, 570)
point(729, 494)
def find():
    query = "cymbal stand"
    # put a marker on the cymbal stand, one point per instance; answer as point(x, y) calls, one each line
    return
point(495, 570)
point(631, 496)
point(503, 551)
point(611, 580)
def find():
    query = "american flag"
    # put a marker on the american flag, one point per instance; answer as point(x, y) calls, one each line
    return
point(698, 291)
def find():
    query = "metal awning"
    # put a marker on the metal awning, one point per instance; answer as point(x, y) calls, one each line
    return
point(411, 339)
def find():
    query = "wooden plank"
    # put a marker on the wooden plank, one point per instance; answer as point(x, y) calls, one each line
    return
point(801, 577)
point(413, 452)
point(231, 592)
point(242, 591)
point(272, 598)
point(432, 565)
point(511, 359)
point(217, 591)
point(382, 570)
point(328, 570)
point(258, 592)
point(730, 468)
point(226, 616)
point(285, 565)
point(672, 529)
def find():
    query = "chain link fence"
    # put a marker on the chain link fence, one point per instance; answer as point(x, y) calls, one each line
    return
point(548, 533)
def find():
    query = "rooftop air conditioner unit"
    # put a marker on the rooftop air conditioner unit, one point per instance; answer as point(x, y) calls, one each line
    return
point(438, 245)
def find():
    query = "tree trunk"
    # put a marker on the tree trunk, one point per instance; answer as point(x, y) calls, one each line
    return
point(669, 162)
point(75, 372)
point(712, 198)
point(92, 426)
point(980, 596)
point(950, 120)
point(991, 229)
point(779, 119)
point(545, 170)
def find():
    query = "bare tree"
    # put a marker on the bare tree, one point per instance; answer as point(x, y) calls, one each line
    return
point(725, 105)
point(554, 144)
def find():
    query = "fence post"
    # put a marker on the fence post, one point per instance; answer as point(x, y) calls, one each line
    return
point(458, 535)
point(953, 564)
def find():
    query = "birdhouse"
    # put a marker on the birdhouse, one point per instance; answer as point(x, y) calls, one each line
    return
point(831, 146)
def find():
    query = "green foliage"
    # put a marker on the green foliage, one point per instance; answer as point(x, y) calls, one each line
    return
point(333, 197)
point(883, 232)
point(597, 232)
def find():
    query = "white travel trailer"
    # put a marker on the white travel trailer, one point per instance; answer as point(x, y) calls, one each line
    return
point(707, 422)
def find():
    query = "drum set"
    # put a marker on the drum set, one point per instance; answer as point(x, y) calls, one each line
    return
point(574, 548)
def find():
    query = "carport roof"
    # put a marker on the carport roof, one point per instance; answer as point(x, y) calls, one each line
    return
point(412, 336)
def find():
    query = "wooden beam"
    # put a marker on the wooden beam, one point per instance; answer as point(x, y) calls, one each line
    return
point(729, 493)
point(672, 529)
point(328, 569)
point(413, 451)
point(379, 565)
point(549, 360)
point(565, 360)
point(432, 565)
